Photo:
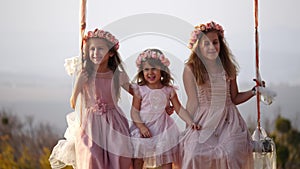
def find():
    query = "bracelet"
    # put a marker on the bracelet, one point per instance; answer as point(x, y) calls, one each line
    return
point(253, 90)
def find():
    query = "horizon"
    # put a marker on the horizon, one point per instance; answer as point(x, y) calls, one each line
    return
point(49, 102)
point(36, 40)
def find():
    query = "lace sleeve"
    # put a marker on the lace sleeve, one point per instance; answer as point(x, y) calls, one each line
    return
point(136, 90)
point(173, 91)
point(124, 81)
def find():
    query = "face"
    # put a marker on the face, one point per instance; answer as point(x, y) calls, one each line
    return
point(210, 46)
point(98, 51)
point(151, 74)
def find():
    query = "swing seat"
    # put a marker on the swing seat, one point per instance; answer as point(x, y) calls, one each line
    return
point(263, 146)
point(261, 142)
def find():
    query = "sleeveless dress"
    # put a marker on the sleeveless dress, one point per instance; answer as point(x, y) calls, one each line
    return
point(162, 147)
point(224, 141)
point(98, 131)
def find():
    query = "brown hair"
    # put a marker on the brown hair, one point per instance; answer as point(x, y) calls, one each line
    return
point(166, 78)
point(114, 63)
point(226, 59)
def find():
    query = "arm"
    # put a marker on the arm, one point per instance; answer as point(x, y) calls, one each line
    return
point(81, 79)
point(135, 115)
point(182, 112)
point(239, 97)
point(125, 82)
point(190, 89)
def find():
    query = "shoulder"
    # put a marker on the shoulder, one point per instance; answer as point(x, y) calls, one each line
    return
point(123, 76)
point(170, 90)
point(187, 67)
point(139, 90)
point(187, 70)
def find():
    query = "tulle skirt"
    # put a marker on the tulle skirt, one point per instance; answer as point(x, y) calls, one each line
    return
point(229, 147)
point(162, 147)
point(102, 141)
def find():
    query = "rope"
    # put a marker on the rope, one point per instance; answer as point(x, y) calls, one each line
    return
point(82, 23)
point(82, 26)
point(258, 79)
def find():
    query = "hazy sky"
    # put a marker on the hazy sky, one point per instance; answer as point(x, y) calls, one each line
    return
point(37, 35)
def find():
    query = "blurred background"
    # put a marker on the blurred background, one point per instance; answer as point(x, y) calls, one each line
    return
point(37, 37)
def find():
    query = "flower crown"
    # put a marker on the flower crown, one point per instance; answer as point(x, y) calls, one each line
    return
point(204, 28)
point(102, 34)
point(152, 54)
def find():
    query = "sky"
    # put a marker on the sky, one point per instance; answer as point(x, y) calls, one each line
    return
point(36, 37)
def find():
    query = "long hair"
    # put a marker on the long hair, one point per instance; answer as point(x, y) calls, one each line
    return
point(195, 60)
point(166, 78)
point(114, 64)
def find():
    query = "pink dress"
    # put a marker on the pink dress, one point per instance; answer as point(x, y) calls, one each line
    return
point(100, 131)
point(224, 141)
point(162, 147)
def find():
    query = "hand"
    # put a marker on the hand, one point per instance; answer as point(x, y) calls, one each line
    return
point(145, 132)
point(82, 78)
point(195, 126)
point(260, 83)
point(170, 110)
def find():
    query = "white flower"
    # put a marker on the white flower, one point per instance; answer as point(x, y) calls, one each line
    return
point(267, 95)
point(72, 64)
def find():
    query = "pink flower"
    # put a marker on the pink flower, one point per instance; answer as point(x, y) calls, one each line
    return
point(193, 40)
point(197, 31)
point(166, 62)
point(151, 54)
point(101, 107)
point(90, 34)
point(154, 55)
point(117, 46)
point(102, 34)
point(138, 63)
point(204, 28)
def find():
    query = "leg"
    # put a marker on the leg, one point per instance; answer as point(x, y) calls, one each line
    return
point(138, 163)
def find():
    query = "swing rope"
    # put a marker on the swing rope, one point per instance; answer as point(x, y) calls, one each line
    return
point(258, 79)
point(82, 27)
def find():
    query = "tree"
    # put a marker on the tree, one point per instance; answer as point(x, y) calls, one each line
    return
point(287, 141)
point(24, 144)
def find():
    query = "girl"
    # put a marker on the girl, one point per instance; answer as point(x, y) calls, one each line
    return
point(154, 133)
point(99, 129)
point(210, 82)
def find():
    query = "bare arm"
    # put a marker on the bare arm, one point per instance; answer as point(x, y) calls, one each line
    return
point(190, 89)
point(135, 115)
point(128, 87)
point(236, 96)
point(81, 79)
point(125, 83)
point(183, 113)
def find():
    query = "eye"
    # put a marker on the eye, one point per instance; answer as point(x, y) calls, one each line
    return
point(206, 43)
point(146, 69)
point(153, 69)
point(216, 42)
